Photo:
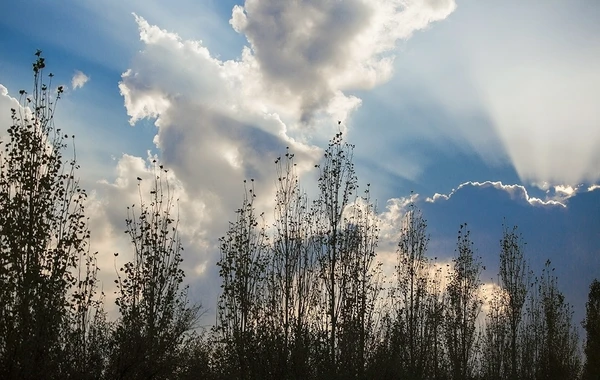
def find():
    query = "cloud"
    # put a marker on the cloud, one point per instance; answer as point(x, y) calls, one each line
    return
point(79, 80)
point(515, 84)
point(220, 122)
point(516, 192)
point(311, 51)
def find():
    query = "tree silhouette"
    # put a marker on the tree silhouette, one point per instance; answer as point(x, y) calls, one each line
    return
point(47, 273)
point(303, 297)
point(591, 369)
point(515, 278)
point(154, 310)
point(463, 308)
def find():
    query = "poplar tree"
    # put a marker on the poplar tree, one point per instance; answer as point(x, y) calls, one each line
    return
point(464, 306)
point(515, 279)
point(591, 324)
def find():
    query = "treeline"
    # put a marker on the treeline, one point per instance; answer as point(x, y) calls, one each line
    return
point(304, 295)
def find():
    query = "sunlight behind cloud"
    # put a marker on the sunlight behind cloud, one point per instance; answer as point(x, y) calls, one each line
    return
point(541, 91)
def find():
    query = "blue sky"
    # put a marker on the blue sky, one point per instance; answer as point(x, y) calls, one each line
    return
point(492, 106)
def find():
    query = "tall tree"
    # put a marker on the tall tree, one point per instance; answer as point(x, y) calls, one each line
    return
point(337, 185)
point(515, 278)
point(559, 355)
point(548, 337)
point(154, 310)
point(412, 283)
point(43, 242)
point(360, 287)
point(435, 324)
point(240, 309)
point(496, 338)
point(464, 306)
point(291, 272)
point(532, 333)
point(591, 324)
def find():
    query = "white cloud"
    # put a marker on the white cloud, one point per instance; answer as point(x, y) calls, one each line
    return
point(514, 83)
point(436, 197)
point(79, 80)
point(516, 192)
point(222, 121)
point(566, 190)
point(310, 51)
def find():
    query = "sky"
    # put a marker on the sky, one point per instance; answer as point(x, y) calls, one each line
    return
point(481, 112)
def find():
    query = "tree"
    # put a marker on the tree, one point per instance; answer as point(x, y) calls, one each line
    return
point(155, 312)
point(438, 365)
point(45, 302)
point(240, 309)
point(337, 185)
point(463, 308)
point(291, 273)
point(548, 337)
point(515, 278)
point(413, 278)
point(559, 355)
point(591, 324)
point(360, 287)
point(496, 337)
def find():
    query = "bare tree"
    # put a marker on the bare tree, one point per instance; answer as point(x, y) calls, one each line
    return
point(559, 357)
point(291, 272)
point(437, 367)
point(360, 287)
point(532, 333)
point(496, 338)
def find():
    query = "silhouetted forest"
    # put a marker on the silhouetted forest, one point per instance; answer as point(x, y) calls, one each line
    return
point(303, 297)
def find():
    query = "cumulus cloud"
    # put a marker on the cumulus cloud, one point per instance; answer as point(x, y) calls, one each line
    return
point(309, 52)
point(516, 192)
point(220, 122)
point(79, 80)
